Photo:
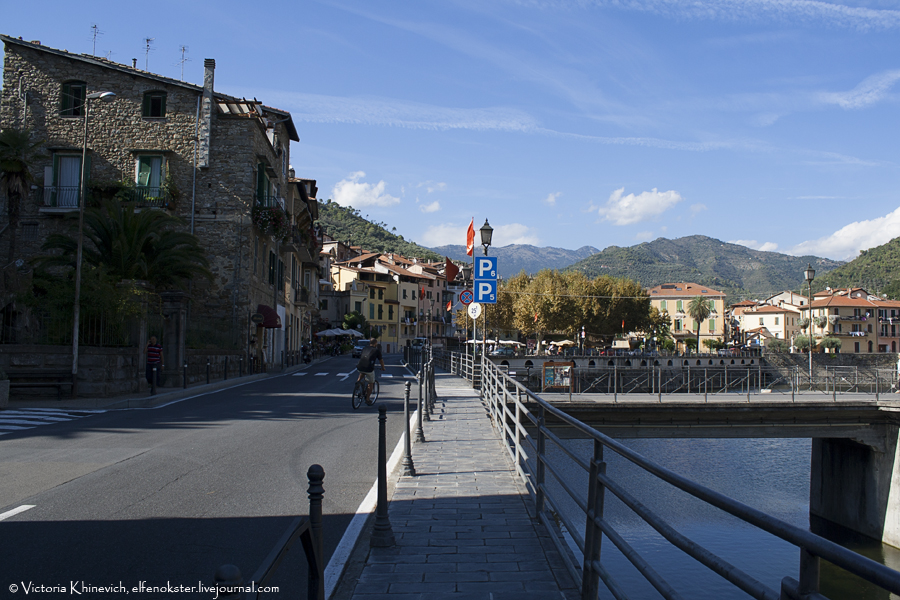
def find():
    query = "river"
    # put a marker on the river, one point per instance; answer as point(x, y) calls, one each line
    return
point(768, 474)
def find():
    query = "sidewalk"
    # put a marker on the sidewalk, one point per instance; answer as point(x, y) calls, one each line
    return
point(462, 526)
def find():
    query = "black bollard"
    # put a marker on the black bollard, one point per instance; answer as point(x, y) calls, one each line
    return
point(226, 368)
point(409, 469)
point(228, 580)
point(423, 384)
point(382, 534)
point(185, 375)
point(241, 367)
point(420, 433)
point(207, 371)
point(153, 382)
point(316, 475)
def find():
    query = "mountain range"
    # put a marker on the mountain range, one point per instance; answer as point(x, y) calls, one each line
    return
point(513, 259)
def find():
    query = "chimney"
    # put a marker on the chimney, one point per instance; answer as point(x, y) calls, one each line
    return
point(134, 63)
point(206, 112)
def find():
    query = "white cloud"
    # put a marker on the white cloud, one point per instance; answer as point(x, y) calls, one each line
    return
point(430, 208)
point(550, 200)
point(871, 90)
point(352, 192)
point(445, 234)
point(755, 245)
point(630, 209)
point(433, 186)
point(697, 208)
point(513, 233)
point(846, 242)
point(643, 236)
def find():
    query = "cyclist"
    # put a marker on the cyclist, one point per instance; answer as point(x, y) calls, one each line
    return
point(366, 365)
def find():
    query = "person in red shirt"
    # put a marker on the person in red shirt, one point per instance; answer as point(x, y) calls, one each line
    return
point(154, 359)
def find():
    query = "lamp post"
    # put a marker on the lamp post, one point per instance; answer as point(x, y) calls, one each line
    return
point(487, 233)
point(82, 200)
point(810, 274)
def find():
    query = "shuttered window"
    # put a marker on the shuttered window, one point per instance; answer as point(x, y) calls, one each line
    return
point(154, 104)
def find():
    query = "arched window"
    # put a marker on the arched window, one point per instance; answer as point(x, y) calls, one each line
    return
point(154, 104)
point(71, 101)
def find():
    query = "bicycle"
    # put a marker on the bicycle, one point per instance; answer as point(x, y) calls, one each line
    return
point(359, 392)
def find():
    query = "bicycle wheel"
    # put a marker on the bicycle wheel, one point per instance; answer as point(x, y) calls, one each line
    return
point(375, 388)
point(359, 394)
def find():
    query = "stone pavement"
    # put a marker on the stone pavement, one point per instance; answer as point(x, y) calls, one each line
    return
point(462, 524)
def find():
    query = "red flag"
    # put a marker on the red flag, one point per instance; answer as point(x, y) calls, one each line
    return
point(623, 324)
point(448, 305)
point(422, 293)
point(470, 238)
point(450, 270)
point(535, 317)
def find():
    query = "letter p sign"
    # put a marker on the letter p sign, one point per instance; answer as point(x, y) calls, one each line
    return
point(486, 292)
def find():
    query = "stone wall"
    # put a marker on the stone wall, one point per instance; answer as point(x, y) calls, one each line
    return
point(822, 362)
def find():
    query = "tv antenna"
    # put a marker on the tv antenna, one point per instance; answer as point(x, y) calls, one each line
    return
point(95, 33)
point(147, 41)
point(183, 60)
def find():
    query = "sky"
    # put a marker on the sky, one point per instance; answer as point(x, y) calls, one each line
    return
point(567, 123)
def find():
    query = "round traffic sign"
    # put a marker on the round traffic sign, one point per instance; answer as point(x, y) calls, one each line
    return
point(474, 310)
point(257, 318)
point(466, 297)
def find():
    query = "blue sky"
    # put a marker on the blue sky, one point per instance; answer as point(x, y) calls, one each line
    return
point(771, 123)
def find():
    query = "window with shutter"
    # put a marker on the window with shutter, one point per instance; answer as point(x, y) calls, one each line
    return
point(154, 104)
point(71, 101)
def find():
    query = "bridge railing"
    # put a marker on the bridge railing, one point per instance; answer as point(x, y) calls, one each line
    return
point(521, 418)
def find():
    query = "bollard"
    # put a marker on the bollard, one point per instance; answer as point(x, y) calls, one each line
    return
point(228, 581)
point(226, 368)
point(420, 434)
point(185, 375)
point(153, 382)
point(409, 469)
point(241, 367)
point(423, 385)
point(316, 475)
point(207, 371)
point(382, 534)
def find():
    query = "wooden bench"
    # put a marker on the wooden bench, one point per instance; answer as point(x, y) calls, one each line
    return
point(40, 378)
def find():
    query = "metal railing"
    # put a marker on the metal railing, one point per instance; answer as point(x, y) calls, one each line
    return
point(229, 581)
point(45, 329)
point(523, 427)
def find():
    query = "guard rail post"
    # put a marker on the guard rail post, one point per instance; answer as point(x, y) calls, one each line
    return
point(409, 469)
point(382, 534)
point(423, 385)
point(420, 408)
point(539, 463)
point(590, 581)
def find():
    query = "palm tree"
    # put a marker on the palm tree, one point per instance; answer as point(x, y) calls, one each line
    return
point(132, 245)
point(17, 155)
point(699, 310)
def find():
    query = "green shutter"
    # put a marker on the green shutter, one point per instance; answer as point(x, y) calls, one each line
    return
point(145, 169)
point(260, 182)
point(162, 112)
point(145, 109)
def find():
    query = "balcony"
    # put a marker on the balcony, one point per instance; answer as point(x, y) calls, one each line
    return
point(57, 196)
point(147, 197)
point(301, 296)
point(66, 196)
point(269, 201)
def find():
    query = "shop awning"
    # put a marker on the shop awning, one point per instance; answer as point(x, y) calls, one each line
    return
point(271, 320)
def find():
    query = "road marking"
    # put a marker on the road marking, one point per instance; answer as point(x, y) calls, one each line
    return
point(17, 420)
point(299, 374)
point(386, 375)
point(344, 376)
point(15, 511)
point(321, 374)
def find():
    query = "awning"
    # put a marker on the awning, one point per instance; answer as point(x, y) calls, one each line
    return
point(271, 320)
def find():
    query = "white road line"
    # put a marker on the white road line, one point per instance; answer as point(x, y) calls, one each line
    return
point(15, 511)
point(299, 374)
point(321, 374)
point(338, 561)
point(15, 428)
point(386, 375)
point(344, 376)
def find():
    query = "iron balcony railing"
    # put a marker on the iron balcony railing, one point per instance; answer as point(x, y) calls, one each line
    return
point(269, 201)
point(520, 417)
point(148, 197)
point(58, 196)
point(66, 196)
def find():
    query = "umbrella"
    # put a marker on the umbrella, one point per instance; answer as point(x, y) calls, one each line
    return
point(353, 332)
point(563, 343)
point(326, 333)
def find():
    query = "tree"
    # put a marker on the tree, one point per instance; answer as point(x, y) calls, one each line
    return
point(699, 310)
point(801, 342)
point(713, 344)
point(17, 155)
point(356, 322)
point(131, 245)
point(832, 343)
point(777, 345)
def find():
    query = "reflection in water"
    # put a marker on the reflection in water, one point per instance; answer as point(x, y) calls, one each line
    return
point(771, 475)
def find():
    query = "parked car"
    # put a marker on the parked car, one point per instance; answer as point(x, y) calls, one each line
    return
point(359, 347)
point(503, 351)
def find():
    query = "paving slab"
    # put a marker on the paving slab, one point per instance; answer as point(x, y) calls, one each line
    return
point(462, 524)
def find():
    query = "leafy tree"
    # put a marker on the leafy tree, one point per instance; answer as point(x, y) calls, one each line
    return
point(17, 156)
point(713, 344)
point(354, 320)
point(832, 343)
point(659, 325)
point(699, 310)
point(802, 342)
point(777, 345)
point(690, 344)
point(667, 344)
point(131, 245)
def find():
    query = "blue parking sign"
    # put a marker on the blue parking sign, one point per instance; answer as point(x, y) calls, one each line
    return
point(486, 291)
point(485, 267)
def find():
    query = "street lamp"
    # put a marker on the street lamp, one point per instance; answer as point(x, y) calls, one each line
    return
point(810, 274)
point(486, 233)
point(82, 200)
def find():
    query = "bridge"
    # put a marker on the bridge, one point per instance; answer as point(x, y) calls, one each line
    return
point(852, 421)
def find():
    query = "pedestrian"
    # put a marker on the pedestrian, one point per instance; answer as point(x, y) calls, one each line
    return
point(154, 359)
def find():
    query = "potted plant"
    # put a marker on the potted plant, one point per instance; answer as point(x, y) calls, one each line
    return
point(4, 389)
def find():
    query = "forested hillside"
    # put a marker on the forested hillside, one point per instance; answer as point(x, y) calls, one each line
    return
point(346, 225)
point(877, 270)
point(515, 258)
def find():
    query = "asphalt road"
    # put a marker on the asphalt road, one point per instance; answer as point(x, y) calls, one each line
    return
point(166, 495)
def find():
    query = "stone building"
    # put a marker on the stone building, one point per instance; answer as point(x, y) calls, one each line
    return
point(220, 163)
